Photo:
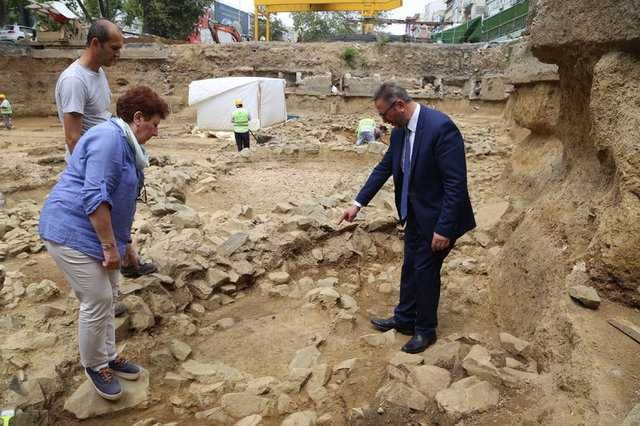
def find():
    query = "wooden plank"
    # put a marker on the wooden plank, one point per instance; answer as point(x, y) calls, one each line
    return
point(626, 327)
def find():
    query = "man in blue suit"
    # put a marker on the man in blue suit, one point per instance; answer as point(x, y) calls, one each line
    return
point(427, 161)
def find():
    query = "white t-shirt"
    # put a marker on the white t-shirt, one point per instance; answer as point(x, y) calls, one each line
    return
point(83, 91)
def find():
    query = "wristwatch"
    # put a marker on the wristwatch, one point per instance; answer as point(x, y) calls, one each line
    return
point(107, 246)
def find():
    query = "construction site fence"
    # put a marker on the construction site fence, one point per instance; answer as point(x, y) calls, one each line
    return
point(509, 21)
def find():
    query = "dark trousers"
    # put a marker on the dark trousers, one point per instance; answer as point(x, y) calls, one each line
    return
point(420, 280)
point(242, 140)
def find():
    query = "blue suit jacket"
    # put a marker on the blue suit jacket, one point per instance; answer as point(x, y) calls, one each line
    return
point(438, 194)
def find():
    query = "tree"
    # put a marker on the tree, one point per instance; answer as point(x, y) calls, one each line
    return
point(171, 18)
point(316, 26)
point(132, 9)
point(278, 29)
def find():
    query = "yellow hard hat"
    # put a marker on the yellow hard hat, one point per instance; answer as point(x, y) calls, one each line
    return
point(2, 96)
point(238, 102)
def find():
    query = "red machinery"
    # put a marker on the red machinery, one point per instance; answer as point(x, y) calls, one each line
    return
point(207, 32)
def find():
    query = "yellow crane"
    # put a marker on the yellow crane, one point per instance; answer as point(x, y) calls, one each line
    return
point(368, 8)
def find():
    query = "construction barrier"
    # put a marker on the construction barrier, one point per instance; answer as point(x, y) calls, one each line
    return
point(508, 22)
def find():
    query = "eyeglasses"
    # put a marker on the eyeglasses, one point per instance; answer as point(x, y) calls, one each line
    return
point(384, 114)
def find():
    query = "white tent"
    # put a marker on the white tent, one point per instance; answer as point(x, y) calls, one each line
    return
point(262, 97)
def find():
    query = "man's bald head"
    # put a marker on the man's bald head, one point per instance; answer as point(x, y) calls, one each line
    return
point(102, 30)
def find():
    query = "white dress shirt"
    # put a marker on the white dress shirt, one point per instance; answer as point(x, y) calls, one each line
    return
point(412, 125)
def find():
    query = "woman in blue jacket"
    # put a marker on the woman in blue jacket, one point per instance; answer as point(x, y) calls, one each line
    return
point(86, 226)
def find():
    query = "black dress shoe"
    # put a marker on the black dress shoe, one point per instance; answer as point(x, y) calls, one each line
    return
point(390, 323)
point(142, 269)
point(419, 342)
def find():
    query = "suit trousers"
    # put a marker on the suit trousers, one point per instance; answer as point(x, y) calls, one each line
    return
point(96, 288)
point(420, 280)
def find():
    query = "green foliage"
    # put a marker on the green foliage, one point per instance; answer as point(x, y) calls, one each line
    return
point(382, 39)
point(350, 55)
point(171, 18)
point(317, 26)
point(278, 29)
point(167, 18)
point(132, 9)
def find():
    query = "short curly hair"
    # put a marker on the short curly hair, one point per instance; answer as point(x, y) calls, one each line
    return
point(143, 99)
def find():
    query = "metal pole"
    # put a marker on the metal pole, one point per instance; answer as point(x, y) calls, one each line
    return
point(256, 31)
point(268, 28)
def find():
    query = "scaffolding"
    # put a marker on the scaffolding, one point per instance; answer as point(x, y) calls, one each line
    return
point(368, 8)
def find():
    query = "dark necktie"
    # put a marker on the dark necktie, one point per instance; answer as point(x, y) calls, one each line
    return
point(406, 161)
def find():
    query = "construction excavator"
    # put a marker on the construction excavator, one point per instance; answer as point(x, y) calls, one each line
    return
point(368, 8)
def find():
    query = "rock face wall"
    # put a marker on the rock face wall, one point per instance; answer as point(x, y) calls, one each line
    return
point(577, 174)
point(28, 77)
point(595, 44)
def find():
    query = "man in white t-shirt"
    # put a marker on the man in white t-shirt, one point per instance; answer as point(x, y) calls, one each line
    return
point(83, 99)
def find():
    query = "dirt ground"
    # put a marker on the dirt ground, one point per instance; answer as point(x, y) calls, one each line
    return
point(268, 328)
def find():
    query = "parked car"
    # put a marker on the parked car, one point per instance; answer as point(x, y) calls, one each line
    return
point(16, 33)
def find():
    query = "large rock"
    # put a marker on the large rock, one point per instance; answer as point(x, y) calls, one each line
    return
point(305, 358)
point(179, 349)
point(515, 378)
point(586, 296)
point(400, 394)
point(42, 291)
point(513, 345)
point(405, 359)
point(187, 218)
point(139, 313)
point(488, 215)
point(85, 403)
point(27, 340)
point(446, 355)
point(286, 405)
point(429, 379)
point(302, 418)
point(558, 27)
point(279, 277)
point(633, 417)
point(215, 416)
point(254, 420)
point(216, 371)
point(467, 396)
point(325, 296)
point(200, 288)
point(478, 363)
point(242, 404)
point(217, 278)
point(26, 395)
point(261, 385)
point(343, 369)
point(161, 304)
point(320, 375)
point(233, 244)
point(379, 340)
point(537, 107)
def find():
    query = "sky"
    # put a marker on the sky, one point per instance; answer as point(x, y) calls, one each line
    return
point(409, 8)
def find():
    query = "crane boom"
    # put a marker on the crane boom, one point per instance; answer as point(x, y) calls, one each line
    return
point(367, 8)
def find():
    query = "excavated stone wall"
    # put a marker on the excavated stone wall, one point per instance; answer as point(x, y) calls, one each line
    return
point(433, 71)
